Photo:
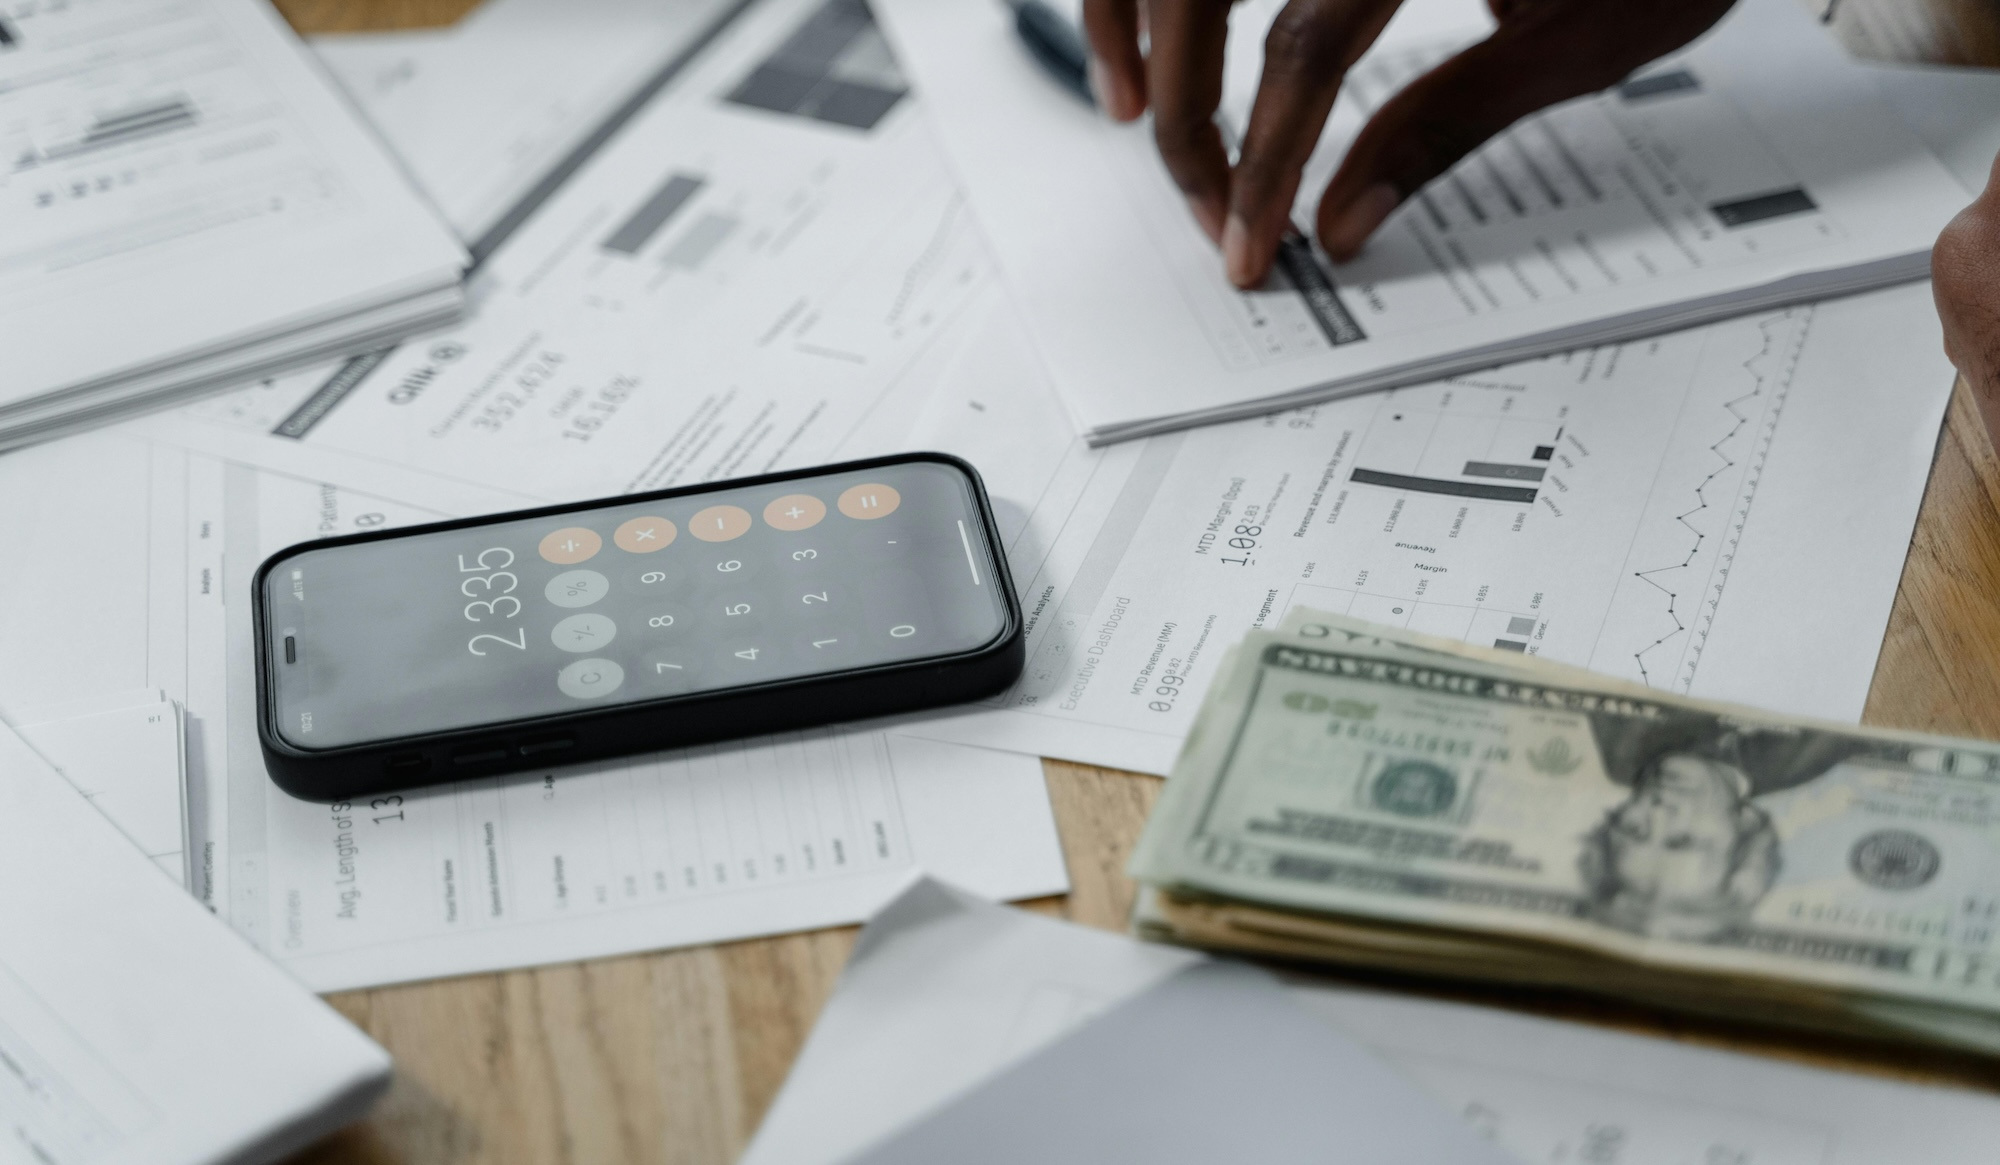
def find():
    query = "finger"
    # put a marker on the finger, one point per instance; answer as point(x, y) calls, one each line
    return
point(1117, 68)
point(1184, 84)
point(1548, 52)
point(1307, 52)
point(1965, 278)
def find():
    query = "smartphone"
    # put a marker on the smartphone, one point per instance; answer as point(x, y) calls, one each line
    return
point(476, 647)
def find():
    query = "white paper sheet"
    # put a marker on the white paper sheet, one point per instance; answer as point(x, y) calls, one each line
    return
point(479, 112)
point(1215, 1063)
point(134, 1027)
point(943, 990)
point(800, 831)
point(128, 759)
point(188, 201)
point(1652, 510)
point(740, 280)
point(1719, 181)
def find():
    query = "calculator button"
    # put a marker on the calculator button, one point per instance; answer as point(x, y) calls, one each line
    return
point(590, 679)
point(794, 512)
point(577, 588)
point(870, 500)
point(668, 672)
point(584, 632)
point(644, 535)
point(720, 523)
point(571, 545)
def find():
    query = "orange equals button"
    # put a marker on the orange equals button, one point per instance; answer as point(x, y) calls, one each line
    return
point(869, 500)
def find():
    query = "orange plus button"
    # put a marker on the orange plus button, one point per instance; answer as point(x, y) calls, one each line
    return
point(720, 523)
point(870, 500)
point(571, 544)
point(795, 512)
point(644, 535)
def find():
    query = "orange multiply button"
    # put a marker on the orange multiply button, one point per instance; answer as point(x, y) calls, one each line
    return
point(644, 535)
point(869, 500)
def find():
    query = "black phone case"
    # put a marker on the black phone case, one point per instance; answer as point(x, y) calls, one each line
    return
point(671, 722)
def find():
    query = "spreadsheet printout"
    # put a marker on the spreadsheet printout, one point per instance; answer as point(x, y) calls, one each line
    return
point(1717, 181)
point(1654, 510)
point(733, 283)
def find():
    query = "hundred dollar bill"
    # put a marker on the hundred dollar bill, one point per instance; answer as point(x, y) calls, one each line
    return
point(1367, 795)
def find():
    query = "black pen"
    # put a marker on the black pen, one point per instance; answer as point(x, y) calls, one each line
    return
point(1055, 44)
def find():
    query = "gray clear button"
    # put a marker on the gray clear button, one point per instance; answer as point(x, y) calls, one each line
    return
point(590, 679)
point(584, 632)
point(577, 588)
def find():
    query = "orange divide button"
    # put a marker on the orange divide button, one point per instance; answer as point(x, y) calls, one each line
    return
point(571, 544)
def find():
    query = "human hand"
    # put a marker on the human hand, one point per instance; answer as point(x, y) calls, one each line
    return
point(1965, 278)
point(1543, 52)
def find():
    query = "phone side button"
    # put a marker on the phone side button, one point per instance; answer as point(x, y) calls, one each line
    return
point(547, 744)
point(479, 756)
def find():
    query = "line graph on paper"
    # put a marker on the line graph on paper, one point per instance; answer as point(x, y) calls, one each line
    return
point(1676, 573)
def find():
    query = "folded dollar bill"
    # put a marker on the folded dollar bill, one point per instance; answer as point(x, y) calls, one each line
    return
point(1374, 797)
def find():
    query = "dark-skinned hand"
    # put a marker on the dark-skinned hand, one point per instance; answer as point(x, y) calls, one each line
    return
point(1544, 52)
point(1965, 278)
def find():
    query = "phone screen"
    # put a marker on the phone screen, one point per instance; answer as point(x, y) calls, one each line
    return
point(633, 601)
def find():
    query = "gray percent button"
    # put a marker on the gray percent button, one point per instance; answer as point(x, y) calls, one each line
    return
point(577, 588)
point(584, 632)
point(590, 679)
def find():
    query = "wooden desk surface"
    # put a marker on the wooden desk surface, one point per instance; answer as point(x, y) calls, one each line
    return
point(673, 1057)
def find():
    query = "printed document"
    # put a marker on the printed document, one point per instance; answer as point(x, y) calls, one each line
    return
point(134, 1028)
point(1758, 168)
point(190, 204)
point(737, 281)
point(943, 991)
point(729, 841)
point(482, 111)
point(1653, 510)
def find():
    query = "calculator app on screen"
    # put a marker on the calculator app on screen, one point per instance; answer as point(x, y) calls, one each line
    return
point(629, 602)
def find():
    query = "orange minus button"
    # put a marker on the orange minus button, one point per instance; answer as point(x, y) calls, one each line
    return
point(720, 523)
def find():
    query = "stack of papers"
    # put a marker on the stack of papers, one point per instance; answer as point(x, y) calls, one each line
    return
point(188, 205)
point(1759, 168)
point(133, 1026)
point(948, 998)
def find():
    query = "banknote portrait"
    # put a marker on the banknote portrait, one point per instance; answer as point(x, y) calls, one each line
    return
point(1687, 855)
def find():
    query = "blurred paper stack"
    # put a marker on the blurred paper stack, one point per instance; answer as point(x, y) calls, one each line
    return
point(189, 204)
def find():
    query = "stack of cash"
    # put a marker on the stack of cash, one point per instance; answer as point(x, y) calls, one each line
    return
point(1374, 797)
